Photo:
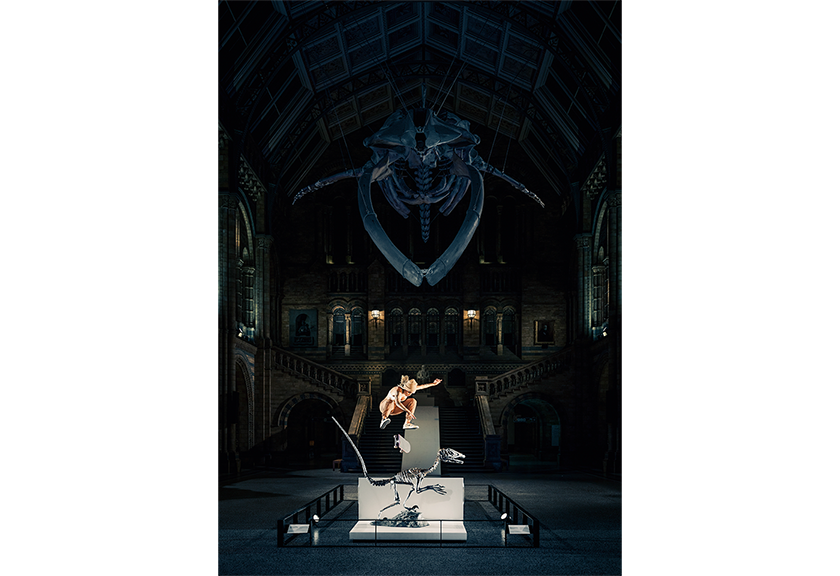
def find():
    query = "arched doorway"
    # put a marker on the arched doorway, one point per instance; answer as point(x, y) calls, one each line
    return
point(311, 439)
point(243, 410)
point(531, 432)
point(524, 434)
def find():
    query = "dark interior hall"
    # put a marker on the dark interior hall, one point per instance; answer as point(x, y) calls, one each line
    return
point(318, 319)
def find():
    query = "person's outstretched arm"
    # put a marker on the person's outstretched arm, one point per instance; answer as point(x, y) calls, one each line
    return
point(435, 383)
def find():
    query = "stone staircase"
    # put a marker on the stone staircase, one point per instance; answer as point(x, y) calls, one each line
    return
point(460, 429)
point(377, 445)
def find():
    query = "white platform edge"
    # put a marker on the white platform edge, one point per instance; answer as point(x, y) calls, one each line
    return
point(436, 530)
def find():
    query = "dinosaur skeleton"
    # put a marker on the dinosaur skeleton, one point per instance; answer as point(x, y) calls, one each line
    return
point(410, 476)
point(436, 153)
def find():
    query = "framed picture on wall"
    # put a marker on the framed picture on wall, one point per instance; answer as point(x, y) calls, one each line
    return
point(303, 327)
point(544, 331)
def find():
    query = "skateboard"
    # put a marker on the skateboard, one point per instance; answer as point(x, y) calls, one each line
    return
point(402, 444)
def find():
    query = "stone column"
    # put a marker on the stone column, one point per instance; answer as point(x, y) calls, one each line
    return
point(614, 202)
point(583, 243)
point(612, 459)
point(248, 302)
point(262, 287)
point(228, 205)
point(348, 318)
point(500, 319)
point(598, 298)
point(262, 359)
point(492, 441)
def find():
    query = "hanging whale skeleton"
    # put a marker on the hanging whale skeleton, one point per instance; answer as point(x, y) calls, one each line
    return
point(436, 151)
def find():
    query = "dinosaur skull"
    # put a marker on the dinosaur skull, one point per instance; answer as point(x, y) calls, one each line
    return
point(451, 456)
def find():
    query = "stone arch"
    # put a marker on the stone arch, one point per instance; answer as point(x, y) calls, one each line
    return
point(244, 365)
point(337, 323)
point(249, 227)
point(598, 229)
point(489, 323)
point(548, 414)
point(281, 417)
point(244, 406)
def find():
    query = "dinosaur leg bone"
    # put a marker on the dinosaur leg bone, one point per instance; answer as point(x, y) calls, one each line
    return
point(396, 500)
point(438, 488)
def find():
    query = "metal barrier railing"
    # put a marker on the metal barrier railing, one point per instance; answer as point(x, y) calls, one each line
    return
point(484, 531)
point(516, 514)
point(330, 498)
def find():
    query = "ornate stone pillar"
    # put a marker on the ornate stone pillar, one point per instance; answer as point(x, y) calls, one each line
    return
point(612, 459)
point(262, 285)
point(248, 303)
point(583, 243)
point(492, 440)
point(500, 320)
point(348, 318)
point(614, 202)
point(599, 297)
point(262, 357)
point(228, 205)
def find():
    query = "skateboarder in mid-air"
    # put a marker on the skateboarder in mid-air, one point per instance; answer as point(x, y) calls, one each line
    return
point(398, 400)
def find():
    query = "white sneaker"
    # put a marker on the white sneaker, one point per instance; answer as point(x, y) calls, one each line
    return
point(408, 426)
point(384, 423)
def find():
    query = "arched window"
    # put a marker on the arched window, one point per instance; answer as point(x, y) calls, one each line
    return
point(432, 327)
point(450, 327)
point(338, 326)
point(415, 327)
point(357, 335)
point(488, 321)
point(395, 322)
point(509, 328)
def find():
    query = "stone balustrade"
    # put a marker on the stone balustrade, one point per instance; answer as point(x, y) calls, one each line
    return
point(497, 386)
point(317, 374)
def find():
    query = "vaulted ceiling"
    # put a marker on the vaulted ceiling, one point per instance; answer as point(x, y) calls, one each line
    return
point(296, 77)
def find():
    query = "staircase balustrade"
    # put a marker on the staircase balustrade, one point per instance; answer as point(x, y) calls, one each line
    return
point(317, 374)
point(496, 386)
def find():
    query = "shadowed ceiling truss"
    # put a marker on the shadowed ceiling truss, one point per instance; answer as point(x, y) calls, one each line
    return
point(296, 76)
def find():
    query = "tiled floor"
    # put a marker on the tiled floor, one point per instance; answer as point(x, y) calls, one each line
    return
point(579, 512)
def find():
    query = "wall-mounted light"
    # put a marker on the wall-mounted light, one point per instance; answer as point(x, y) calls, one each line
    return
point(375, 314)
point(471, 315)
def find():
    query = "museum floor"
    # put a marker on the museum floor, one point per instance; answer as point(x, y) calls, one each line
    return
point(579, 512)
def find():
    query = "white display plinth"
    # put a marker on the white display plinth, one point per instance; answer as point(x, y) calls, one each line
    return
point(447, 507)
point(447, 530)
point(425, 441)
